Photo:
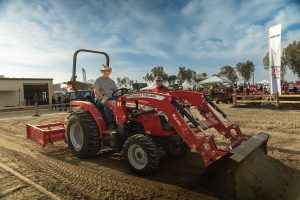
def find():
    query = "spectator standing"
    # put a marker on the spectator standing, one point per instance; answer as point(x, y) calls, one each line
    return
point(159, 86)
point(53, 102)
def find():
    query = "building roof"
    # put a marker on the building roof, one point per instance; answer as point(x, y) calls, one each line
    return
point(6, 78)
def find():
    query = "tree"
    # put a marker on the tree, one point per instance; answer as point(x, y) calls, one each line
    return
point(266, 61)
point(148, 77)
point(186, 74)
point(191, 74)
point(204, 75)
point(229, 73)
point(119, 81)
point(218, 75)
point(124, 82)
point(91, 81)
point(245, 70)
point(172, 79)
point(291, 57)
point(200, 77)
point(156, 71)
point(182, 74)
point(283, 65)
point(159, 71)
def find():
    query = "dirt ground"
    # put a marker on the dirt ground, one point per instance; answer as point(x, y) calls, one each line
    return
point(107, 176)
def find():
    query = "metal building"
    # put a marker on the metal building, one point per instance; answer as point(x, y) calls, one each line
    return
point(20, 91)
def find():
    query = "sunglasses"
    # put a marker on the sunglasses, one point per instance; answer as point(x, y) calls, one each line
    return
point(158, 81)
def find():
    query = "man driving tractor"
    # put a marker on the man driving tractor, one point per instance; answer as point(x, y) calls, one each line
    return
point(104, 86)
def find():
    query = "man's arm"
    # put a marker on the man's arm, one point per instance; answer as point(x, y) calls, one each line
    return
point(98, 94)
point(97, 90)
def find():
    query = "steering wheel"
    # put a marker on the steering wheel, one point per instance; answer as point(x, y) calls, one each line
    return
point(119, 92)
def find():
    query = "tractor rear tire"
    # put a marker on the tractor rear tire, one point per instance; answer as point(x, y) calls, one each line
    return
point(83, 135)
point(141, 154)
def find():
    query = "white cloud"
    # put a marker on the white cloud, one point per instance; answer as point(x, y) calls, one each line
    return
point(39, 38)
point(232, 31)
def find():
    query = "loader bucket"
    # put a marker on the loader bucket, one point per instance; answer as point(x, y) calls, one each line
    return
point(223, 176)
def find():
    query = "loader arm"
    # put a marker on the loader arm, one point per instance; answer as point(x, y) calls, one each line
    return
point(169, 105)
point(208, 111)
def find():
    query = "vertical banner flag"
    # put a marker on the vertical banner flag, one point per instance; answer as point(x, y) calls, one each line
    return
point(84, 75)
point(275, 58)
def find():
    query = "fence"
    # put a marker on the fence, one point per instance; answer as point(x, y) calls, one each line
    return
point(264, 99)
point(59, 107)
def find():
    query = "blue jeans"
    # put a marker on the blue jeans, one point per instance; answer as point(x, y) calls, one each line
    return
point(108, 113)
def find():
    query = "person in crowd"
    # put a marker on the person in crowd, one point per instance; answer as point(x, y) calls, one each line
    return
point(53, 102)
point(210, 90)
point(254, 90)
point(59, 99)
point(65, 101)
point(59, 102)
point(159, 86)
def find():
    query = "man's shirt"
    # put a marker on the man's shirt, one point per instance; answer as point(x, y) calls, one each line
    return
point(105, 85)
point(161, 89)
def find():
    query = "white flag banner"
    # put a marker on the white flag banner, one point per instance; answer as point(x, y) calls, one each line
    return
point(275, 58)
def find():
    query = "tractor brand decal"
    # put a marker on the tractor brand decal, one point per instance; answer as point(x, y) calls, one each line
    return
point(176, 119)
point(144, 95)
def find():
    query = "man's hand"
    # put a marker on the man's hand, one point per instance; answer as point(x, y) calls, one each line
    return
point(99, 95)
point(104, 98)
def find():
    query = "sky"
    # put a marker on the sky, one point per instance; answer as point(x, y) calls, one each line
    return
point(38, 38)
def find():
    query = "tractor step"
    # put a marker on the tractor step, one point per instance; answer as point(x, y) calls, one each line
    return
point(46, 133)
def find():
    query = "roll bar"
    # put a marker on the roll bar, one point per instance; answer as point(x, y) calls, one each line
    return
point(73, 79)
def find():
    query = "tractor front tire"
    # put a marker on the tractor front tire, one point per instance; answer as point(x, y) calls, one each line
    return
point(141, 154)
point(83, 135)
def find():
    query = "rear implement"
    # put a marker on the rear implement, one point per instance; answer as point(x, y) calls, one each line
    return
point(46, 133)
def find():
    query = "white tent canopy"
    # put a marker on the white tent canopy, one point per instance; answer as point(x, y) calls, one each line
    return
point(214, 80)
point(264, 82)
point(193, 83)
point(151, 86)
point(188, 85)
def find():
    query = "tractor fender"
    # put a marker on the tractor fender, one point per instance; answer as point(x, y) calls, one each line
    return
point(91, 108)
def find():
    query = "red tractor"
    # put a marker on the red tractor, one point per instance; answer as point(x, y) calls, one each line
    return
point(150, 125)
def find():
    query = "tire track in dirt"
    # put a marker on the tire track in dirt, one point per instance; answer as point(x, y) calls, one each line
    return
point(56, 169)
point(94, 182)
point(91, 183)
point(27, 181)
point(12, 187)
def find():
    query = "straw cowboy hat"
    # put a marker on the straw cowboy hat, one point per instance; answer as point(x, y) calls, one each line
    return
point(105, 67)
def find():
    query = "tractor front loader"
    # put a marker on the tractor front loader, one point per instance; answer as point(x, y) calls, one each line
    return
point(149, 123)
